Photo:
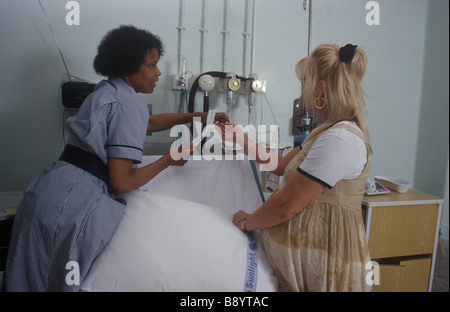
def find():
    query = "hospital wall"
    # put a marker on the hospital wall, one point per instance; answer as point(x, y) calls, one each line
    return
point(406, 80)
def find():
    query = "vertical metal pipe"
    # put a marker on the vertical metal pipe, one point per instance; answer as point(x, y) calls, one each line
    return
point(225, 34)
point(309, 26)
point(203, 37)
point(252, 62)
point(181, 29)
point(245, 34)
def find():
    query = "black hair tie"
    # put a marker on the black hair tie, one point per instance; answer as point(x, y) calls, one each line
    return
point(347, 53)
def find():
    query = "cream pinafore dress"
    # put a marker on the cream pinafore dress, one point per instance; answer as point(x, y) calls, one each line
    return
point(324, 247)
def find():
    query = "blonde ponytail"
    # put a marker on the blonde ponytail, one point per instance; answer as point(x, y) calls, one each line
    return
point(342, 72)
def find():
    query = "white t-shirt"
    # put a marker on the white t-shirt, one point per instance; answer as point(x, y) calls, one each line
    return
point(336, 155)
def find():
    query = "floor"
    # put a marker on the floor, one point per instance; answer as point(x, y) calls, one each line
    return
point(440, 279)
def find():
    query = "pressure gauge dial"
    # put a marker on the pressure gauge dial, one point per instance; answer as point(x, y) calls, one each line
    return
point(206, 83)
point(234, 84)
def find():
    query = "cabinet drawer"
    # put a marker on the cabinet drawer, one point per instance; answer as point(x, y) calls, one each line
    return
point(405, 230)
point(408, 276)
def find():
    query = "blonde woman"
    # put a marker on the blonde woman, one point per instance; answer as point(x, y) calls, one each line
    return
point(311, 226)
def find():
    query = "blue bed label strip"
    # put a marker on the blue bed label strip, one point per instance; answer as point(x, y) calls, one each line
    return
point(251, 275)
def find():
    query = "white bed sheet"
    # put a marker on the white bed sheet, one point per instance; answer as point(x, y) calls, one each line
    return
point(177, 235)
point(228, 185)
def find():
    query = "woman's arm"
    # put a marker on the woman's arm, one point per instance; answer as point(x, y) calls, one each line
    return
point(256, 151)
point(283, 205)
point(266, 157)
point(161, 122)
point(123, 177)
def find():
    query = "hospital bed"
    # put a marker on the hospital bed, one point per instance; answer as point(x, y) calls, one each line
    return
point(177, 235)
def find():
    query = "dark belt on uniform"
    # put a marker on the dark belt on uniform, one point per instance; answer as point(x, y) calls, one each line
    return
point(86, 161)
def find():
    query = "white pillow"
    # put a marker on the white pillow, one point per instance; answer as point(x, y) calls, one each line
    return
point(169, 244)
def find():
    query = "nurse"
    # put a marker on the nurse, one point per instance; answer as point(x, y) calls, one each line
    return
point(71, 210)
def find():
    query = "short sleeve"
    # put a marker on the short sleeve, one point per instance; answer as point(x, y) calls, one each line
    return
point(336, 155)
point(126, 135)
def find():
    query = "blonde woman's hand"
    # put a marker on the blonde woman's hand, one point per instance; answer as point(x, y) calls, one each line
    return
point(239, 219)
point(230, 132)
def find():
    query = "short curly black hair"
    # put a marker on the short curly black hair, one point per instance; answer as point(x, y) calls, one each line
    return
point(122, 51)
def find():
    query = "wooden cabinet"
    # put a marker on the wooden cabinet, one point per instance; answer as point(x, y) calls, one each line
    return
point(402, 232)
point(8, 205)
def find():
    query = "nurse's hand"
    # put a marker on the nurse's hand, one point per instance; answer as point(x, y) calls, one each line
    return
point(221, 118)
point(179, 156)
point(218, 117)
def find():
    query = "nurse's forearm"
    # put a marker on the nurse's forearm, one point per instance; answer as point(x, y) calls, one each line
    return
point(162, 122)
point(124, 178)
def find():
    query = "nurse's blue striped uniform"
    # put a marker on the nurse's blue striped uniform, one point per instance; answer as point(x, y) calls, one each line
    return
point(67, 213)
